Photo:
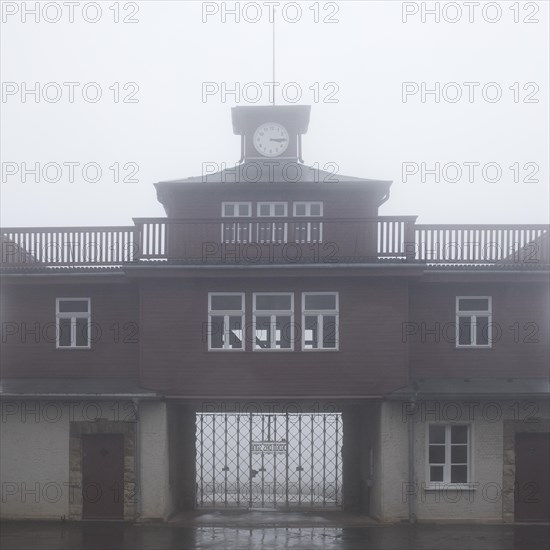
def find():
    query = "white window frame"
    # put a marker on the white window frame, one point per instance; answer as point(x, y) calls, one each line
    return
point(320, 313)
point(236, 205)
point(272, 314)
point(271, 205)
point(226, 313)
point(73, 316)
point(446, 483)
point(237, 228)
point(473, 315)
point(308, 205)
point(307, 226)
point(274, 230)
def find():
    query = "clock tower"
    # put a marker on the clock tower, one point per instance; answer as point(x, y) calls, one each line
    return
point(272, 131)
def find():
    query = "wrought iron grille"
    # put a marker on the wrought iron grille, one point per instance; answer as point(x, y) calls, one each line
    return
point(276, 460)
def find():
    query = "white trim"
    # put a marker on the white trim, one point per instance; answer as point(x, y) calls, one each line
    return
point(271, 227)
point(226, 313)
point(439, 485)
point(73, 316)
point(272, 205)
point(473, 314)
point(308, 205)
point(272, 314)
point(237, 204)
point(320, 313)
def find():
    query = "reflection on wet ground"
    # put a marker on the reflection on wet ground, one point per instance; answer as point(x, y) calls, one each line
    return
point(109, 536)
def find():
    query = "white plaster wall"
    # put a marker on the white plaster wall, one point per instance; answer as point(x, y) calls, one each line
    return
point(34, 462)
point(34, 453)
point(486, 419)
point(393, 470)
point(156, 501)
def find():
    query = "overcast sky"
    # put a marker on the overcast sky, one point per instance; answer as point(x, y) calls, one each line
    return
point(166, 129)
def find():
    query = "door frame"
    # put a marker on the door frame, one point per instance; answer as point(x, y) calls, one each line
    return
point(102, 426)
point(510, 429)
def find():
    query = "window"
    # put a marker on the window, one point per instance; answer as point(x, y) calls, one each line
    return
point(473, 321)
point(272, 209)
point(236, 209)
point(225, 321)
point(272, 232)
point(308, 232)
point(448, 453)
point(308, 209)
point(236, 232)
point(272, 321)
point(320, 320)
point(72, 323)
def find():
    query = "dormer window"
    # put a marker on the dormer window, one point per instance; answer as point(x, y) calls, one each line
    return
point(272, 209)
point(236, 209)
point(308, 209)
point(308, 232)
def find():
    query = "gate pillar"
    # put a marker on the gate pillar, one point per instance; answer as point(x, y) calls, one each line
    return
point(351, 456)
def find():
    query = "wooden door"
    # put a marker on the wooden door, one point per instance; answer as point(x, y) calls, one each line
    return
point(532, 486)
point(103, 476)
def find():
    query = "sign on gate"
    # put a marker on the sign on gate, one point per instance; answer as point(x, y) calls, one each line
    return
point(262, 447)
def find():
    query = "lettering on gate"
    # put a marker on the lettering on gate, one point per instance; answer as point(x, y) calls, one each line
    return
point(262, 447)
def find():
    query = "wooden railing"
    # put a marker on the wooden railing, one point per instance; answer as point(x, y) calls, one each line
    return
point(275, 240)
point(481, 244)
point(69, 245)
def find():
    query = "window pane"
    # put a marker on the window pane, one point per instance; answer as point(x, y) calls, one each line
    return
point(436, 473)
point(315, 209)
point(226, 302)
point(64, 332)
point(81, 331)
point(311, 336)
point(283, 332)
point(243, 209)
point(235, 332)
point(482, 331)
point(459, 434)
point(459, 454)
point(216, 331)
point(262, 336)
point(459, 474)
point(437, 454)
point(228, 209)
point(79, 306)
point(300, 209)
point(464, 331)
point(329, 331)
point(473, 304)
point(273, 301)
point(320, 301)
point(264, 209)
point(437, 434)
point(279, 210)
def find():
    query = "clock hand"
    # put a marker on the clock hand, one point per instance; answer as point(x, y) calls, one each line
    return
point(278, 139)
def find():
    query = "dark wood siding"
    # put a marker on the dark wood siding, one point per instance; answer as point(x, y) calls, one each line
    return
point(371, 360)
point(520, 325)
point(204, 201)
point(28, 308)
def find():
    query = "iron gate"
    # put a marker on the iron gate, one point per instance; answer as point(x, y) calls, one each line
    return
point(276, 460)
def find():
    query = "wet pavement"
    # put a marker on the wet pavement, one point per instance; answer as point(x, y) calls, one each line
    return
point(122, 536)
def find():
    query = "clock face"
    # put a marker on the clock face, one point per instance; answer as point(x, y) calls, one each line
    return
point(271, 139)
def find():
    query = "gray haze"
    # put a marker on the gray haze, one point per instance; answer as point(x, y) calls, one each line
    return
point(368, 133)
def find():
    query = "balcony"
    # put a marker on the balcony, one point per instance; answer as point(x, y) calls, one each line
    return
point(276, 241)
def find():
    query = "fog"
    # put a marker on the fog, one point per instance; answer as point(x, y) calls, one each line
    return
point(363, 66)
